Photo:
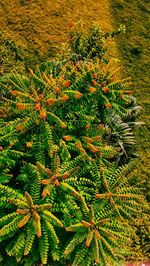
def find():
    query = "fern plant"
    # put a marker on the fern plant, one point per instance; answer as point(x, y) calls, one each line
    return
point(64, 199)
point(100, 215)
point(43, 101)
point(36, 221)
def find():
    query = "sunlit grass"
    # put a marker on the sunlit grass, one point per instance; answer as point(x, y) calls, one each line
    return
point(134, 54)
point(37, 27)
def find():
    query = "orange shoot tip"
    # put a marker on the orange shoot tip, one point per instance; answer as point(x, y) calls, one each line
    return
point(91, 89)
point(94, 83)
point(66, 83)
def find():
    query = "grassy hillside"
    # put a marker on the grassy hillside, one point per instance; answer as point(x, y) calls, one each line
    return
point(134, 52)
point(32, 30)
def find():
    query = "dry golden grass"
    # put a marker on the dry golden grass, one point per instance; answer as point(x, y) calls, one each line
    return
point(39, 24)
point(134, 53)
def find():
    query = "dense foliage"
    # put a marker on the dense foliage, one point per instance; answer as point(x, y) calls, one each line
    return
point(65, 145)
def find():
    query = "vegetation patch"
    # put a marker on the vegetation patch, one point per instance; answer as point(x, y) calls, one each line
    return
point(134, 55)
point(67, 135)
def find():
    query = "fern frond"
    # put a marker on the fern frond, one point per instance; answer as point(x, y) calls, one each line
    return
point(35, 176)
point(96, 251)
point(44, 246)
point(10, 228)
point(29, 241)
point(89, 238)
point(83, 206)
point(49, 217)
point(38, 147)
point(56, 253)
point(17, 249)
point(52, 117)
point(6, 218)
point(49, 137)
point(74, 227)
point(110, 251)
point(5, 178)
point(76, 240)
point(10, 193)
point(64, 152)
point(4, 203)
point(52, 233)
point(79, 257)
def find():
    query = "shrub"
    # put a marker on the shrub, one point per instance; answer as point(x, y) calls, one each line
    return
point(89, 45)
point(64, 198)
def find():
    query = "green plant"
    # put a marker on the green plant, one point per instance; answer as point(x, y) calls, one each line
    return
point(63, 196)
point(90, 45)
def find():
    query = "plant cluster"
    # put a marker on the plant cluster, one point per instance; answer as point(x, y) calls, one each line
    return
point(90, 45)
point(65, 143)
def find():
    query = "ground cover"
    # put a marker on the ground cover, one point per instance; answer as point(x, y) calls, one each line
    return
point(134, 51)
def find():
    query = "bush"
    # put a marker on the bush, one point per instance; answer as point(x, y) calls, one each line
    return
point(66, 141)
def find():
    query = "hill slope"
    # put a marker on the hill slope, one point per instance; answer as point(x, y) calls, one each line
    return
point(36, 27)
point(134, 52)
